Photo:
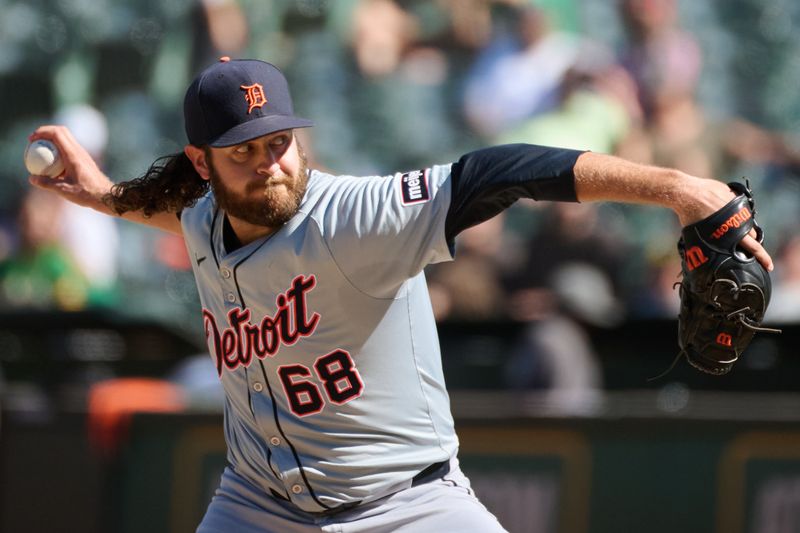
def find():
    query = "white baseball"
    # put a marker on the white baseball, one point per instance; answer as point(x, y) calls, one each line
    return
point(42, 159)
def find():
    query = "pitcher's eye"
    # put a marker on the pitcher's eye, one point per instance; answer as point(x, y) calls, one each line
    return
point(280, 140)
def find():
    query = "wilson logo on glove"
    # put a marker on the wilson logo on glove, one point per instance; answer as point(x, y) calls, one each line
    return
point(695, 257)
point(734, 222)
point(724, 339)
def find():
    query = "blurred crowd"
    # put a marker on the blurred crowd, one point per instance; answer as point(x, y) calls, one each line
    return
point(394, 85)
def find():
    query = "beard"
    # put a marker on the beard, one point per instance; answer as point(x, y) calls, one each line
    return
point(275, 207)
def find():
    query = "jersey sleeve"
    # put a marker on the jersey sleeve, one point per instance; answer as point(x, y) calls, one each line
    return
point(486, 182)
point(381, 231)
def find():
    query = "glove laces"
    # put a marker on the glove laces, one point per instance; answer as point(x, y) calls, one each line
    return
point(739, 314)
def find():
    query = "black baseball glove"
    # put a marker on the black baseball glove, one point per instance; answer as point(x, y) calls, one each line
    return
point(724, 291)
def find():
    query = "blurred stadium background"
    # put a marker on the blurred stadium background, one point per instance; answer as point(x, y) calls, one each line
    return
point(552, 320)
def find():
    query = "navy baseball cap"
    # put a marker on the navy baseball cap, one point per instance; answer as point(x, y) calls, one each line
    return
point(232, 102)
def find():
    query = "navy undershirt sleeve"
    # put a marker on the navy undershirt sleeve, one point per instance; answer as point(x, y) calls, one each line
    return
point(487, 181)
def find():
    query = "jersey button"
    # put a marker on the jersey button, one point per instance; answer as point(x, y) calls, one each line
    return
point(226, 273)
point(230, 297)
point(257, 386)
point(297, 489)
point(275, 441)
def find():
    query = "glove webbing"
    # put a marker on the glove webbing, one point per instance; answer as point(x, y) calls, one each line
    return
point(739, 314)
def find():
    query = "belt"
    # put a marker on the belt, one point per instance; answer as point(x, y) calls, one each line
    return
point(429, 473)
point(434, 471)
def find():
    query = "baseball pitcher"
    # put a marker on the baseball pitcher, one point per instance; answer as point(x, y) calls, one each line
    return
point(314, 303)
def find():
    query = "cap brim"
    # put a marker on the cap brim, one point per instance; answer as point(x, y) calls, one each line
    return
point(258, 128)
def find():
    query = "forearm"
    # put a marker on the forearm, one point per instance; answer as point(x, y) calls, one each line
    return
point(600, 177)
point(93, 197)
point(163, 221)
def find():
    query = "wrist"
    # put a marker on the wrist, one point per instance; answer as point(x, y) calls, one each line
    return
point(98, 197)
point(699, 198)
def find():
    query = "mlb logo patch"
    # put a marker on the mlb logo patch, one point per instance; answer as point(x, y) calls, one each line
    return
point(414, 187)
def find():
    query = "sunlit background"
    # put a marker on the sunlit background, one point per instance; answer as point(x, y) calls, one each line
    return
point(571, 305)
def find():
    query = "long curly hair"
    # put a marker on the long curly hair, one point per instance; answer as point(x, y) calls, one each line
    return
point(169, 185)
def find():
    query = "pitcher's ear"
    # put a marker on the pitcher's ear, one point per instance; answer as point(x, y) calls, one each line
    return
point(198, 158)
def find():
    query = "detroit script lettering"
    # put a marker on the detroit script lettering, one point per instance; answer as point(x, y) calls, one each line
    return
point(241, 340)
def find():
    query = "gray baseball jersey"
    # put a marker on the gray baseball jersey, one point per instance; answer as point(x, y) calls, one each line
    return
point(325, 342)
point(324, 338)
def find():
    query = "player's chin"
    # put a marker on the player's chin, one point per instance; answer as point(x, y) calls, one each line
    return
point(279, 216)
point(280, 207)
point(278, 196)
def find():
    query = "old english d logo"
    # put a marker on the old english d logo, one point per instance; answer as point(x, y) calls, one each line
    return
point(695, 257)
point(254, 95)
